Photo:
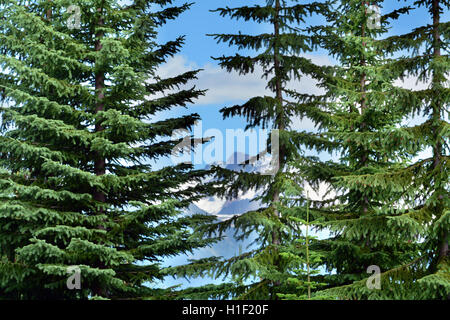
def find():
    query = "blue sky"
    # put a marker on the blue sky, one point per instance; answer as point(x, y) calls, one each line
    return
point(199, 21)
point(225, 89)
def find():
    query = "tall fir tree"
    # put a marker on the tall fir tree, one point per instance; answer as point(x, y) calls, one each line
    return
point(267, 269)
point(79, 133)
point(422, 54)
point(352, 117)
point(377, 217)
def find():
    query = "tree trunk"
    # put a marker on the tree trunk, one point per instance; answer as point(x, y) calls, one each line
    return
point(436, 116)
point(99, 162)
point(279, 122)
point(364, 156)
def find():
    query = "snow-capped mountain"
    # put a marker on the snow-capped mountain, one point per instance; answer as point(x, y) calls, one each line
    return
point(225, 209)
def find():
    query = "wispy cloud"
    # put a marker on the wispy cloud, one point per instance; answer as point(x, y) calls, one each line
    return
point(226, 86)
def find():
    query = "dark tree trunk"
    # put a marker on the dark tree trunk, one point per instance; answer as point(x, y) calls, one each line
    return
point(99, 161)
point(437, 107)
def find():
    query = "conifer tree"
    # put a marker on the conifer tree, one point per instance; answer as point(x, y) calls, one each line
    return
point(351, 111)
point(376, 216)
point(428, 191)
point(421, 54)
point(80, 99)
point(266, 270)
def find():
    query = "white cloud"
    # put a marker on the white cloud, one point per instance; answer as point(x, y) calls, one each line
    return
point(226, 86)
point(321, 194)
point(412, 83)
point(249, 195)
point(222, 86)
point(212, 205)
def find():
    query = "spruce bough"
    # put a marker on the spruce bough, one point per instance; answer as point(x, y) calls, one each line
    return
point(78, 135)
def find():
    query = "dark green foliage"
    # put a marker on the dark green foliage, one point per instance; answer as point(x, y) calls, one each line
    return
point(384, 205)
point(78, 134)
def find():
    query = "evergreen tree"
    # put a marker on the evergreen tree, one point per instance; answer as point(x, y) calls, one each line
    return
point(427, 195)
point(79, 134)
point(422, 54)
point(266, 269)
point(376, 216)
point(349, 114)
